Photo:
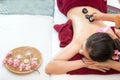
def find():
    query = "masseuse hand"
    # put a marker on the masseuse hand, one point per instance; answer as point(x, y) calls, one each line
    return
point(97, 16)
point(101, 66)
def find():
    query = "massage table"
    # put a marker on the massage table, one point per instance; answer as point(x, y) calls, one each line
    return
point(59, 18)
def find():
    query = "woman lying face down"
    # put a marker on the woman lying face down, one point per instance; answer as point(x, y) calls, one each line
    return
point(96, 47)
point(98, 51)
point(100, 47)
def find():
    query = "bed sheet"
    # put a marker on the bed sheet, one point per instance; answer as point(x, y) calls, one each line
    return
point(60, 18)
point(25, 30)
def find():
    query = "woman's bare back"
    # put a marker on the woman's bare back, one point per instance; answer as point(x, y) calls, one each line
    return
point(81, 26)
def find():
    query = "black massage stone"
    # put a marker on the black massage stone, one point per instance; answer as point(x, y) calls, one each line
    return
point(84, 11)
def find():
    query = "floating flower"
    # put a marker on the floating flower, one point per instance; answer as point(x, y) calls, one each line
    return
point(4, 61)
point(9, 54)
point(16, 62)
point(28, 67)
point(22, 66)
point(34, 63)
point(10, 61)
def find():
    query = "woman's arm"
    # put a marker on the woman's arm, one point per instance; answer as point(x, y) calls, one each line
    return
point(69, 51)
point(114, 65)
point(61, 67)
point(103, 65)
point(61, 64)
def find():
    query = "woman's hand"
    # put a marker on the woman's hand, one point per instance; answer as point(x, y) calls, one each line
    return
point(101, 66)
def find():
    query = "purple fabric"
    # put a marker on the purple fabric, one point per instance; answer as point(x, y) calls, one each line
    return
point(65, 34)
point(65, 5)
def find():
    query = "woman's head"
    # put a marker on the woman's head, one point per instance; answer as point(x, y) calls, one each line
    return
point(100, 46)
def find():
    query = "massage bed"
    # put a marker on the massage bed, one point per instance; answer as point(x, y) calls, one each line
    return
point(37, 31)
point(59, 18)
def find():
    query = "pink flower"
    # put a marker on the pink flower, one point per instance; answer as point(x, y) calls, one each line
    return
point(34, 63)
point(10, 61)
point(115, 58)
point(116, 51)
point(16, 62)
point(28, 67)
point(9, 54)
point(4, 61)
point(22, 66)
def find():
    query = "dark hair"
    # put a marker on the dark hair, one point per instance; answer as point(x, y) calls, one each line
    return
point(101, 46)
